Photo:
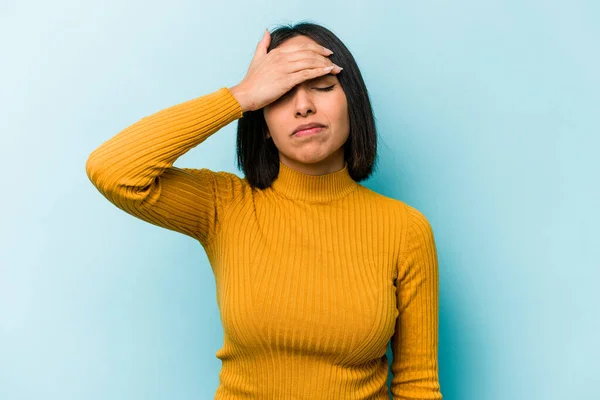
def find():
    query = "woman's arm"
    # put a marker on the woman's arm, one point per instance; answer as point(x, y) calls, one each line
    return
point(134, 171)
point(415, 340)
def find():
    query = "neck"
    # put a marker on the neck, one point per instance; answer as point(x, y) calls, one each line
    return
point(324, 188)
point(333, 163)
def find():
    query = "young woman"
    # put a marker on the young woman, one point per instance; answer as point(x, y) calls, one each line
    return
point(315, 273)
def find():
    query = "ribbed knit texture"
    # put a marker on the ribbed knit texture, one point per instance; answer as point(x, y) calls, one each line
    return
point(315, 274)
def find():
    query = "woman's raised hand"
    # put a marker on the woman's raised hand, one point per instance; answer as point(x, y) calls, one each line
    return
point(271, 75)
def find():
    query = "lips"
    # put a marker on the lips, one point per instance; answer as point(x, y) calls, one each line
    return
point(308, 126)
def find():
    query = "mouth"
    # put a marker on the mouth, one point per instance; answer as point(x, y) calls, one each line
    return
point(309, 131)
point(306, 127)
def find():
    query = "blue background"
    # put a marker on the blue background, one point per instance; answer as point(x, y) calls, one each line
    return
point(488, 116)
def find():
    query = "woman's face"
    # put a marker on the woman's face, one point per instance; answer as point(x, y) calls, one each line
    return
point(309, 102)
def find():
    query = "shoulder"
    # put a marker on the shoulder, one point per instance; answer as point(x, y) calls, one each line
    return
point(410, 222)
point(217, 178)
point(223, 185)
point(403, 212)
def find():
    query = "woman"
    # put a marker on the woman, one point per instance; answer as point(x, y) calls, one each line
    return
point(315, 273)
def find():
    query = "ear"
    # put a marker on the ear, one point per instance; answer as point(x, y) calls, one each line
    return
point(267, 134)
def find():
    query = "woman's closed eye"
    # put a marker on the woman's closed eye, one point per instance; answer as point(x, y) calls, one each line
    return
point(327, 89)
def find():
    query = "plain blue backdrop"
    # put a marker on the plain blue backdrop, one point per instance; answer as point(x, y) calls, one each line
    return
point(488, 120)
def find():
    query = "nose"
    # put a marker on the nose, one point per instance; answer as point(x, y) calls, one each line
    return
point(303, 101)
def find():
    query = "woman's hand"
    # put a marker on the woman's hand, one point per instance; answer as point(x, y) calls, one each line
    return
point(273, 74)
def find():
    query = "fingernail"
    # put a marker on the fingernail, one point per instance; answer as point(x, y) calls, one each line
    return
point(328, 51)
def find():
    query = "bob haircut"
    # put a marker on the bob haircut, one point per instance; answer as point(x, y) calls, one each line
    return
point(258, 156)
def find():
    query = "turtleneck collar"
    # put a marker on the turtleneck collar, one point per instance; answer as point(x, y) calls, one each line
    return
point(313, 188)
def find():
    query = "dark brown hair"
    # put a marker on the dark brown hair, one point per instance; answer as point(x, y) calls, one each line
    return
point(258, 156)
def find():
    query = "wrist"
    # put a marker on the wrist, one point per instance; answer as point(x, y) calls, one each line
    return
point(240, 95)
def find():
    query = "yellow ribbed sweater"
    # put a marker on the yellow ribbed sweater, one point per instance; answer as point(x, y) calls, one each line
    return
point(314, 275)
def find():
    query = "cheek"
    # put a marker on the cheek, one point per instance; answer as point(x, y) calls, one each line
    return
point(340, 111)
point(339, 116)
point(272, 124)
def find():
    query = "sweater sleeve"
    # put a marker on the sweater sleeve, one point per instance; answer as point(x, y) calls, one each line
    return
point(415, 340)
point(134, 169)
